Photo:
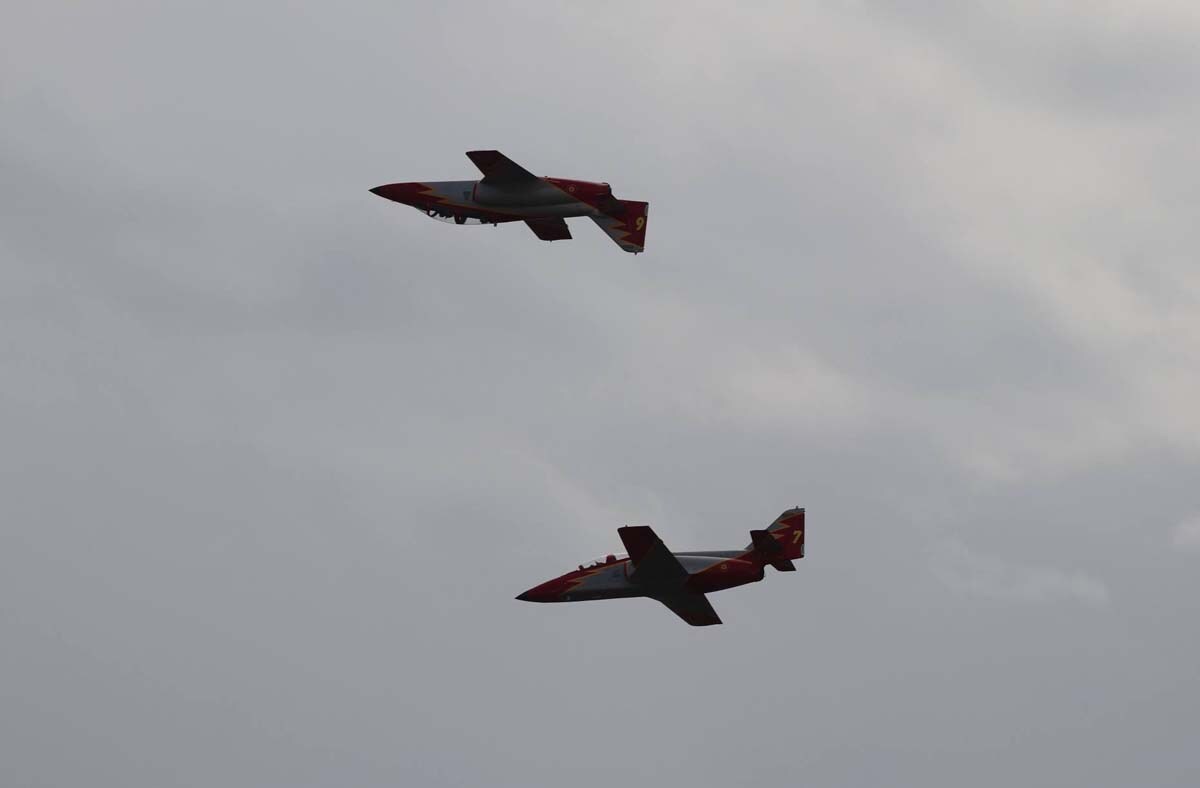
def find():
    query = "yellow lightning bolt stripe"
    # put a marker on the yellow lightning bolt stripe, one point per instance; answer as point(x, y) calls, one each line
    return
point(589, 572)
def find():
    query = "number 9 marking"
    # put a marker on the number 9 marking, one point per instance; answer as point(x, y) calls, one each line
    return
point(641, 222)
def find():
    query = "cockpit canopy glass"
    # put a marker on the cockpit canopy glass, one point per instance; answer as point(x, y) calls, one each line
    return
point(607, 559)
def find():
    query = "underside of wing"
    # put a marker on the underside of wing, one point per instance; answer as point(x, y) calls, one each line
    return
point(659, 572)
point(654, 565)
point(692, 608)
point(550, 229)
point(638, 540)
point(498, 168)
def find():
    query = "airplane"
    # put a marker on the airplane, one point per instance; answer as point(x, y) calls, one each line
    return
point(678, 580)
point(510, 193)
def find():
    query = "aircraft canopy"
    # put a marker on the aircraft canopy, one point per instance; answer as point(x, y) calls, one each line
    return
point(606, 559)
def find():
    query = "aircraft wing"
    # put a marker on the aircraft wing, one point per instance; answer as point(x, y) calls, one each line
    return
point(498, 168)
point(692, 608)
point(552, 229)
point(638, 539)
point(653, 563)
point(657, 568)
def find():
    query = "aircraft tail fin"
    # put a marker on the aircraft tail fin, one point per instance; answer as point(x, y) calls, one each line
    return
point(624, 221)
point(781, 542)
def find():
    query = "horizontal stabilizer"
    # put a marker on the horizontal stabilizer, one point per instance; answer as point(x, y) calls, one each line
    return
point(765, 543)
point(787, 532)
point(770, 551)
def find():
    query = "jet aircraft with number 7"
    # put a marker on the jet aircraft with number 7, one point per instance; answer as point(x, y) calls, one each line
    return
point(678, 580)
point(510, 193)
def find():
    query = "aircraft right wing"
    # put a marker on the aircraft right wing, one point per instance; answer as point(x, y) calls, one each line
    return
point(498, 168)
point(692, 608)
point(653, 563)
point(550, 229)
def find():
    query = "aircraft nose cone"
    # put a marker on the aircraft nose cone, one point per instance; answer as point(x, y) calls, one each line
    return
point(398, 192)
point(546, 592)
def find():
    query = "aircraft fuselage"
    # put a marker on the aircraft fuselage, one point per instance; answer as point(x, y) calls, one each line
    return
point(510, 193)
point(707, 571)
point(493, 204)
point(678, 580)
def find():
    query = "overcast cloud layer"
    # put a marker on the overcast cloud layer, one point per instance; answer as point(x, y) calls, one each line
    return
point(278, 454)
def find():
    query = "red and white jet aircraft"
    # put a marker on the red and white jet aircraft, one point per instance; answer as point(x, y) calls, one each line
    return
point(678, 580)
point(510, 193)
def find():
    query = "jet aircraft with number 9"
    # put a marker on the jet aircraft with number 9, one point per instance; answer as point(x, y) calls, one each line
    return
point(510, 193)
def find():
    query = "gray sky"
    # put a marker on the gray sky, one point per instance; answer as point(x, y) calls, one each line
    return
point(278, 454)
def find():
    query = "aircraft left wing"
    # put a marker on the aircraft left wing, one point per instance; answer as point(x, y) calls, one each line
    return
point(553, 229)
point(692, 608)
point(498, 168)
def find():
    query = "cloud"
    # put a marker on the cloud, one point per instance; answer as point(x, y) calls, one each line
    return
point(278, 453)
point(972, 573)
point(1186, 535)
